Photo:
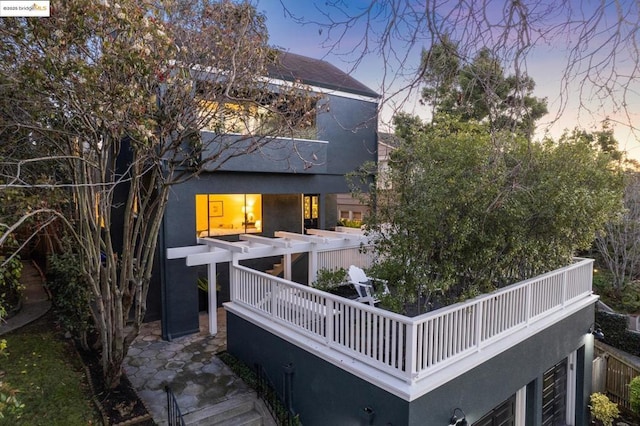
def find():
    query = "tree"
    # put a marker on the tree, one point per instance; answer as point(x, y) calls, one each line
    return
point(596, 45)
point(479, 90)
point(116, 95)
point(618, 243)
point(468, 211)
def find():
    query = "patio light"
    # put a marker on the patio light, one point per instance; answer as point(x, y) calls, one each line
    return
point(596, 331)
point(455, 421)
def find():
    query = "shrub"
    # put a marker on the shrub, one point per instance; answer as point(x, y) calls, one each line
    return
point(327, 279)
point(9, 403)
point(603, 409)
point(634, 394)
point(71, 295)
point(10, 287)
point(614, 327)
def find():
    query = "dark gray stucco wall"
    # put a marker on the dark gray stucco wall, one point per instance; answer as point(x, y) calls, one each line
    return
point(322, 393)
point(325, 394)
point(349, 126)
point(281, 213)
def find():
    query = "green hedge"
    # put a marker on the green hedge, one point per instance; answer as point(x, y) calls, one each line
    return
point(616, 334)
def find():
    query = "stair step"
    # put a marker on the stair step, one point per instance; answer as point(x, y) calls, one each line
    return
point(223, 411)
point(250, 418)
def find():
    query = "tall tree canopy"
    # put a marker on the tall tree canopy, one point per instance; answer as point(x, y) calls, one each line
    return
point(112, 95)
point(479, 89)
point(465, 211)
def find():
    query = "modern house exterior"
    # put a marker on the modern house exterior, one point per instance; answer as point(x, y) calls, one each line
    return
point(519, 356)
point(290, 184)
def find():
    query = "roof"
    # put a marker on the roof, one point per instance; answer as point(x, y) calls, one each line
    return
point(316, 72)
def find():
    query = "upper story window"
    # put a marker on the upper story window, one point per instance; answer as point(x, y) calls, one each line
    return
point(292, 116)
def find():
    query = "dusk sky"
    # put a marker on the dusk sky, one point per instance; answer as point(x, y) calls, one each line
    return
point(545, 64)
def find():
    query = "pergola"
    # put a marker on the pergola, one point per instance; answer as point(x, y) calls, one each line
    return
point(211, 251)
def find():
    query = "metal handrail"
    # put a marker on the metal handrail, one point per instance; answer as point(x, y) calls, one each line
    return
point(279, 407)
point(174, 416)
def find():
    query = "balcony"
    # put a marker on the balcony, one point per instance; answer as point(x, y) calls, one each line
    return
point(248, 154)
point(405, 356)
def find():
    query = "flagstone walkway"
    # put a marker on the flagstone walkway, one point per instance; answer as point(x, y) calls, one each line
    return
point(188, 365)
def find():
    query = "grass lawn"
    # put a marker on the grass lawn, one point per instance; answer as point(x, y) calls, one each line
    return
point(49, 376)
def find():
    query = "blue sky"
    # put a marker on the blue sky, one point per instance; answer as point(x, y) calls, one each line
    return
point(580, 106)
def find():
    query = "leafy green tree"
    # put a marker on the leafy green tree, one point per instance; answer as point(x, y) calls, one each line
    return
point(467, 211)
point(115, 95)
point(479, 90)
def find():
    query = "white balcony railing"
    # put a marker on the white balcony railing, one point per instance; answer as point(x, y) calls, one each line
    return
point(411, 349)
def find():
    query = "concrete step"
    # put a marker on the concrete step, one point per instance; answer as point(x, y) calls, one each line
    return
point(250, 418)
point(239, 410)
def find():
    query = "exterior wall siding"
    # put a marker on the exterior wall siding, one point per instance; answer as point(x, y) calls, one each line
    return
point(348, 128)
point(324, 394)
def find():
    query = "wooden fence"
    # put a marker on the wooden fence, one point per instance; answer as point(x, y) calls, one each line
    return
point(612, 372)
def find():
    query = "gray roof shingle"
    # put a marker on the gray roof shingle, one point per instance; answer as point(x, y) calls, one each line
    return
point(316, 72)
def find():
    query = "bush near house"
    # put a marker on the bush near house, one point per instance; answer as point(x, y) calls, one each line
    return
point(634, 394)
point(614, 327)
point(602, 409)
point(71, 295)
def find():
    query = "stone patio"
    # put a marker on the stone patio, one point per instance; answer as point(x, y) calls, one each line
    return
point(188, 365)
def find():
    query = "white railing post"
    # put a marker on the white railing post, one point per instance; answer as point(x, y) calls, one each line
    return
point(329, 322)
point(527, 308)
point(233, 281)
point(286, 263)
point(478, 327)
point(313, 263)
point(564, 287)
point(274, 298)
point(213, 303)
point(411, 351)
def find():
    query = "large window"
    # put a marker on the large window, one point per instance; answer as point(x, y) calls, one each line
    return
point(228, 214)
point(272, 115)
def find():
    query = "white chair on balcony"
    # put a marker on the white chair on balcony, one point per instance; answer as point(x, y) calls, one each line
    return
point(365, 285)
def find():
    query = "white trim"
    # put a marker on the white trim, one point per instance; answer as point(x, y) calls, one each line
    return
point(571, 388)
point(416, 389)
point(521, 407)
point(323, 90)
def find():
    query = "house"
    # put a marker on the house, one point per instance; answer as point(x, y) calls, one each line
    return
point(519, 356)
point(290, 184)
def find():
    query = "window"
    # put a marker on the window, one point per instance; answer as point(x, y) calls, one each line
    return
point(228, 214)
point(272, 114)
point(310, 205)
point(554, 395)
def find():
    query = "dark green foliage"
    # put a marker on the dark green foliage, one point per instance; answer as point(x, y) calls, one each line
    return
point(614, 327)
point(10, 287)
point(463, 211)
point(71, 294)
point(478, 89)
point(634, 394)
point(329, 279)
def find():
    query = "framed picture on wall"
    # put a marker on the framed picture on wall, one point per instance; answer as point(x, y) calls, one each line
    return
point(216, 209)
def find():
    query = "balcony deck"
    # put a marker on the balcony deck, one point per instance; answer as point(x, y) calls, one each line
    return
point(409, 356)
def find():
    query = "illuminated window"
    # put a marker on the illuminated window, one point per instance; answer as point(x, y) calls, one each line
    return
point(227, 214)
point(273, 114)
